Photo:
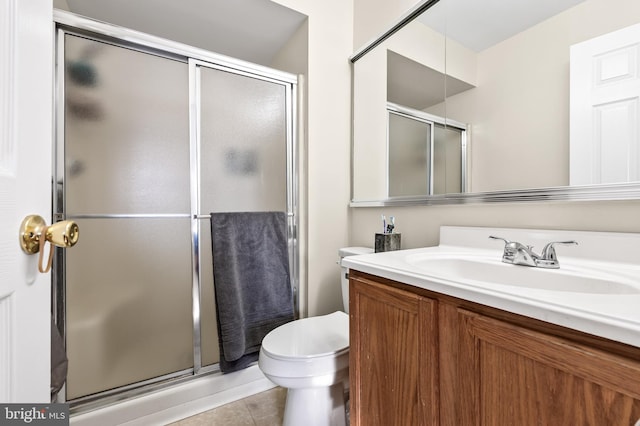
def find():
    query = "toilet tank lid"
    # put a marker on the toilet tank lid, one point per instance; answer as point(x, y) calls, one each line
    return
point(351, 251)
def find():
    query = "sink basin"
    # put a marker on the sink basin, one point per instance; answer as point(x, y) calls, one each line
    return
point(492, 272)
point(596, 290)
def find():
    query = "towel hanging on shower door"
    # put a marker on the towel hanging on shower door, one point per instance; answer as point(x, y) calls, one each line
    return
point(251, 280)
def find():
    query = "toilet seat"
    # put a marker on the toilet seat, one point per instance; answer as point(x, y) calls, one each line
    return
point(309, 338)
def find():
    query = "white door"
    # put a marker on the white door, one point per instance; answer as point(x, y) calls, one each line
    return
point(25, 188)
point(605, 109)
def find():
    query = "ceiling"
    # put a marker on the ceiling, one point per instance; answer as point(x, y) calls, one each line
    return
point(479, 25)
point(255, 30)
point(252, 30)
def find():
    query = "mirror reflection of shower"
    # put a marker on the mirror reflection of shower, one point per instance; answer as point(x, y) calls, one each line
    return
point(424, 156)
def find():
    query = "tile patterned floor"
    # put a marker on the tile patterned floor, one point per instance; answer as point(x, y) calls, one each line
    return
point(263, 409)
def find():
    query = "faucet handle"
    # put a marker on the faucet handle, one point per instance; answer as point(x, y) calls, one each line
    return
point(549, 252)
point(500, 238)
point(548, 257)
point(509, 246)
point(510, 249)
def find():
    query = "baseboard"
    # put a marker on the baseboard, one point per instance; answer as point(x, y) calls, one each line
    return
point(180, 401)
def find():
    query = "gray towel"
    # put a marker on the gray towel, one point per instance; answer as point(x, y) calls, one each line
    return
point(252, 284)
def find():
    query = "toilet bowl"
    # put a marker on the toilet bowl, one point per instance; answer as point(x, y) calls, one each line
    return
point(310, 357)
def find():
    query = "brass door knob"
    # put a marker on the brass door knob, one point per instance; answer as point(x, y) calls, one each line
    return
point(62, 234)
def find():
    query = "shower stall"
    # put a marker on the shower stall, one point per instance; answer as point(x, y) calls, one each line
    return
point(153, 136)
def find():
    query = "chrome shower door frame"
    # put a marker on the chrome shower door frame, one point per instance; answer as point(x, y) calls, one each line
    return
point(68, 23)
point(195, 120)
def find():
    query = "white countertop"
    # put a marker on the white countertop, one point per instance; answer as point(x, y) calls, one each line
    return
point(614, 316)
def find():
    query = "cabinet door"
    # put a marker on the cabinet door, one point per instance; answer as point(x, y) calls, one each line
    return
point(510, 375)
point(393, 367)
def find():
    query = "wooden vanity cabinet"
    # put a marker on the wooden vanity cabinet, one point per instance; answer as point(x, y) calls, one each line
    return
point(393, 367)
point(422, 358)
point(512, 375)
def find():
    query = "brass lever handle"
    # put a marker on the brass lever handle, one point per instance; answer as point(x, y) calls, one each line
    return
point(62, 234)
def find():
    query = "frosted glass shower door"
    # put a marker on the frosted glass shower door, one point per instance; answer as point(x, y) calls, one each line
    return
point(127, 185)
point(244, 131)
point(243, 143)
point(447, 160)
point(409, 155)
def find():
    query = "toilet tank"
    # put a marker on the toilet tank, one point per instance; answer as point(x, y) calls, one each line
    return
point(344, 272)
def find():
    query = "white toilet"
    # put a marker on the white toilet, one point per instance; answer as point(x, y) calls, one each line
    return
point(310, 357)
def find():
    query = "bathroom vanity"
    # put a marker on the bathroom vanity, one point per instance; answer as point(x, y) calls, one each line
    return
point(438, 336)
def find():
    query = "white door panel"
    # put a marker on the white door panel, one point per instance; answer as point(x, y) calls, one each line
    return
point(25, 188)
point(605, 117)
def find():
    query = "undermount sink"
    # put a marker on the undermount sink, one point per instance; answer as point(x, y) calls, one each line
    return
point(493, 272)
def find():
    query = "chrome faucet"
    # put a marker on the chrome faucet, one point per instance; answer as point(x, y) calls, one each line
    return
point(519, 254)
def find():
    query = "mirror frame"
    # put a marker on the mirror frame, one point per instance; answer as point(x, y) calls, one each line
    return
point(603, 192)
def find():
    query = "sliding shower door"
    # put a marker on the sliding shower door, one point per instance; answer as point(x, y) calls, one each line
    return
point(149, 144)
point(242, 143)
point(126, 184)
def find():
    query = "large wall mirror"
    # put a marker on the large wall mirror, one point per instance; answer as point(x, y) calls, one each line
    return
point(537, 100)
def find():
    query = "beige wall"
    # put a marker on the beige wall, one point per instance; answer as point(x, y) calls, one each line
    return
point(372, 18)
point(420, 226)
point(370, 126)
point(328, 134)
point(60, 4)
point(293, 58)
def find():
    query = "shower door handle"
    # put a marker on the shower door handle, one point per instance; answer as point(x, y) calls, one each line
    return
point(34, 233)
